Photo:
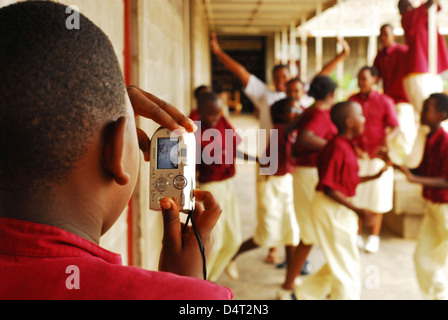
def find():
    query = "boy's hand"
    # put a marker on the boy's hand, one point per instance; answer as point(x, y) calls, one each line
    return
point(409, 175)
point(180, 251)
point(151, 107)
point(345, 46)
point(214, 44)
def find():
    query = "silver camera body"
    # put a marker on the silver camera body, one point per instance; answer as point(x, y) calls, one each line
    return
point(172, 169)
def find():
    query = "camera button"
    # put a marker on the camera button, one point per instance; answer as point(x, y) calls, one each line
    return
point(180, 182)
point(161, 184)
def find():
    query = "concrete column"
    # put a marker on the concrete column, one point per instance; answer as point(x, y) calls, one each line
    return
point(432, 39)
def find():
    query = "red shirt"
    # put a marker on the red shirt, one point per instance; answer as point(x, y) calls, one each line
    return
point(319, 122)
point(379, 111)
point(35, 261)
point(285, 162)
point(415, 25)
point(435, 164)
point(391, 63)
point(217, 147)
point(338, 167)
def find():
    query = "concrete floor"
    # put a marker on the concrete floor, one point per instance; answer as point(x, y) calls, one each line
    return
point(387, 275)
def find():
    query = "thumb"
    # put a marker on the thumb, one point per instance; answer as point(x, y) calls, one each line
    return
point(171, 223)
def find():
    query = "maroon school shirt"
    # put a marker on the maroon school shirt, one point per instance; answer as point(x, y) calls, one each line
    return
point(380, 114)
point(435, 164)
point(43, 262)
point(217, 147)
point(319, 122)
point(338, 167)
point(285, 162)
point(415, 26)
point(391, 63)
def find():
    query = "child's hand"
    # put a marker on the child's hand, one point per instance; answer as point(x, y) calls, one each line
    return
point(345, 46)
point(180, 250)
point(214, 44)
point(383, 154)
point(151, 107)
point(409, 175)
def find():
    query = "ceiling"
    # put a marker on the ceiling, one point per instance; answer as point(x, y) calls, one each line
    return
point(260, 17)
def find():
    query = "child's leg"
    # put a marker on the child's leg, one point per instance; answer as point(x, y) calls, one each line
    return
point(431, 252)
point(336, 229)
point(304, 183)
point(272, 256)
point(297, 261)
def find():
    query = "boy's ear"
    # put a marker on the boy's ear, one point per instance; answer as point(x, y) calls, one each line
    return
point(113, 151)
point(349, 122)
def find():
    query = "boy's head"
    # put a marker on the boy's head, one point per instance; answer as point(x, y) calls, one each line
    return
point(284, 110)
point(61, 95)
point(280, 75)
point(348, 118)
point(404, 6)
point(387, 37)
point(435, 110)
point(209, 108)
point(322, 87)
point(367, 78)
point(295, 88)
point(200, 90)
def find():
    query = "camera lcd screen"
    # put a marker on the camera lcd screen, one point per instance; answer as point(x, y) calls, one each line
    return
point(167, 150)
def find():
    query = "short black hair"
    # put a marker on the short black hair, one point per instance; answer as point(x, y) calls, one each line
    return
point(386, 25)
point(199, 90)
point(373, 71)
point(57, 87)
point(321, 86)
point(206, 97)
point(280, 66)
point(296, 79)
point(441, 102)
point(279, 108)
point(339, 114)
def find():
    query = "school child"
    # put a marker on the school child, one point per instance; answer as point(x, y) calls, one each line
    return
point(79, 126)
point(316, 129)
point(419, 82)
point(431, 250)
point(295, 88)
point(215, 174)
point(334, 216)
point(380, 128)
point(276, 220)
point(391, 63)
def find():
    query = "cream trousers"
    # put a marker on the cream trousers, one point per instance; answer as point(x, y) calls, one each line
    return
point(227, 231)
point(276, 218)
point(336, 229)
point(432, 251)
point(305, 180)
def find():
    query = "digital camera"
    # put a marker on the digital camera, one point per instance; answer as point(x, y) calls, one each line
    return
point(172, 169)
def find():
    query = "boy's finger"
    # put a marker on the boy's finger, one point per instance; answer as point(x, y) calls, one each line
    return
point(144, 143)
point(171, 223)
point(212, 211)
point(148, 105)
point(146, 108)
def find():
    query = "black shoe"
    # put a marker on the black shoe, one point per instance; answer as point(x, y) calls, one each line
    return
point(281, 265)
point(306, 269)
